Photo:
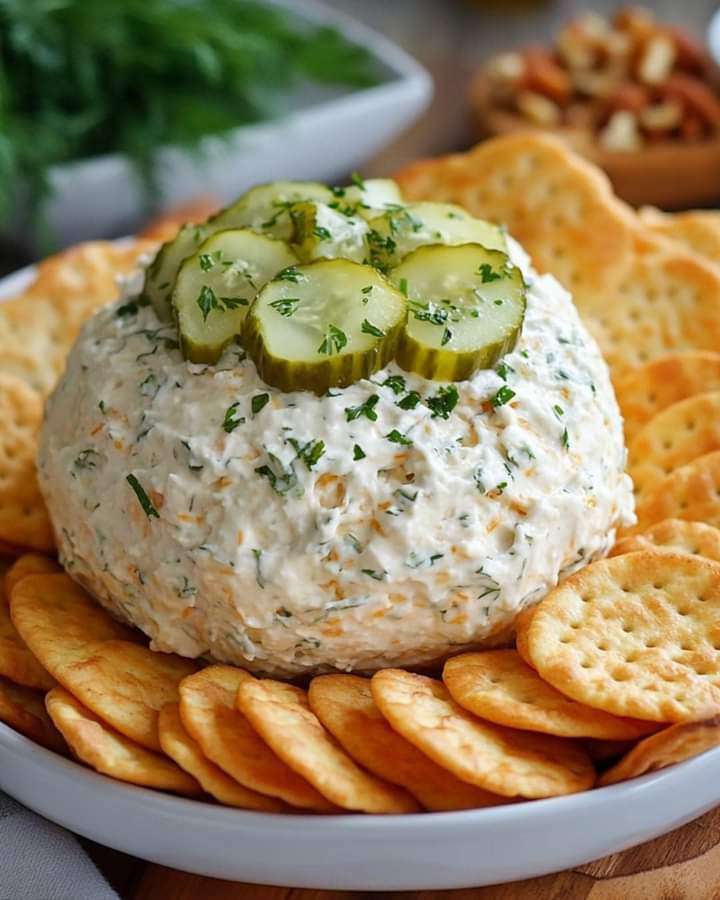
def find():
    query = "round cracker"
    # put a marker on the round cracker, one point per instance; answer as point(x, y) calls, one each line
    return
point(691, 492)
point(522, 623)
point(501, 760)
point(208, 712)
point(277, 710)
point(345, 706)
point(649, 389)
point(24, 710)
point(103, 749)
point(498, 686)
point(673, 438)
point(126, 685)
point(667, 747)
point(16, 662)
point(29, 564)
point(676, 536)
point(635, 635)
point(48, 608)
point(179, 746)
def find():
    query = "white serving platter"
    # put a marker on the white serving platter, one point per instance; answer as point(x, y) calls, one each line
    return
point(325, 133)
point(353, 852)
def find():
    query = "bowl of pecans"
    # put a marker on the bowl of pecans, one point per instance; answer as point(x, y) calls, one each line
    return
point(639, 97)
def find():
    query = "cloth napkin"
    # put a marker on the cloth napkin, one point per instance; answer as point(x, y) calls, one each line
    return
point(41, 861)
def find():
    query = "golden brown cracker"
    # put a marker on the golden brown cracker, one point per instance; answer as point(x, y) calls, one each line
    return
point(697, 230)
point(345, 706)
point(498, 686)
point(24, 521)
point(29, 564)
point(17, 663)
point(180, 747)
point(691, 492)
point(676, 536)
point(635, 635)
point(667, 747)
point(209, 713)
point(522, 623)
point(277, 710)
point(672, 438)
point(24, 710)
point(110, 753)
point(501, 760)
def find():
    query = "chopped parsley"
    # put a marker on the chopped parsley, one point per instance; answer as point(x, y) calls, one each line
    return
point(369, 328)
point(291, 273)
point(286, 306)
point(208, 300)
point(333, 342)
point(396, 383)
point(559, 411)
point(446, 337)
point(358, 452)
point(309, 453)
point(410, 400)
point(102, 407)
point(258, 402)
point(502, 369)
point(373, 573)
point(232, 420)
point(502, 396)
point(565, 439)
point(358, 181)
point(488, 274)
point(397, 437)
point(444, 402)
point(323, 233)
point(206, 261)
point(282, 480)
point(404, 286)
point(366, 409)
point(143, 499)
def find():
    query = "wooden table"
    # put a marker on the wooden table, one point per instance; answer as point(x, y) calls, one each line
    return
point(450, 37)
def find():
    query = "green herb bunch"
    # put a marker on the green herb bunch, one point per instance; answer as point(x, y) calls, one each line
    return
point(80, 78)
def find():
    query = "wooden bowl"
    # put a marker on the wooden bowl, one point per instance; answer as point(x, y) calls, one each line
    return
point(670, 175)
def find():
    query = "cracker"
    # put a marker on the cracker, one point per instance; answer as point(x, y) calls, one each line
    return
point(126, 685)
point(110, 753)
point(674, 437)
point(24, 521)
point(345, 706)
point(691, 492)
point(29, 564)
point(38, 328)
point(667, 747)
point(276, 710)
point(16, 662)
point(522, 623)
point(48, 610)
point(24, 710)
point(697, 230)
point(180, 747)
point(498, 686)
point(676, 536)
point(560, 207)
point(501, 760)
point(635, 635)
point(209, 713)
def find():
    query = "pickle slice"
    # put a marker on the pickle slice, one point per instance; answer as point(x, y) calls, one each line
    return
point(215, 287)
point(403, 229)
point(369, 197)
point(161, 273)
point(320, 232)
point(266, 208)
point(466, 306)
point(338, 322)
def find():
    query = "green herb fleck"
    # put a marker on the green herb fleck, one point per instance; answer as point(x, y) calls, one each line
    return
point(410, 400)
point(444, 402)
point(565, 439)
point(143, 499)
point(323, 233)
point(207, 301)
point(373, 573)
point(291, 273)
point(369, 328)
point(358, 181)
point(404, 286)
point(206, 261)
point(286, 306)
point(282, 480)
point(366, 409)
point(488, 274)
point(232, 420)
point(446, 337)
point(398, 437)
point(333, 342)
point(358, 452)
point(102, 407)
point(396, 383)
point(87, 459)
point(258, 570)
point(309, 453)
point(504, 395)
point(258, 402)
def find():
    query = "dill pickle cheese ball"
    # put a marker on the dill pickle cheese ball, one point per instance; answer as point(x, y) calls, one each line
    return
point(385, 523)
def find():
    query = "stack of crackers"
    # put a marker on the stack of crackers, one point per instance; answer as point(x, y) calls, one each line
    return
point(614, 674)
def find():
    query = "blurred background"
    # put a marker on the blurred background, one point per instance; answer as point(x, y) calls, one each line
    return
point(113, 111)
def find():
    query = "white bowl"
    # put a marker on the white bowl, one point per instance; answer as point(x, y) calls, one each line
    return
point(413, 852)
point(327, 132)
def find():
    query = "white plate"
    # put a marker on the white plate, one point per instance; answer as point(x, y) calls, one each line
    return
point(413, 852)
point(326, 132)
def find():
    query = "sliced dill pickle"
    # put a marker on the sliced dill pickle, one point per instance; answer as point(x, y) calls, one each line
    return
point(266, 208)
point(162, 271)
point(337, 322)
point(466, 306)
point(403, 229)
point(215, 287)
point(320, 232)
point(369, 197)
